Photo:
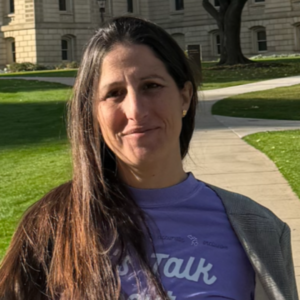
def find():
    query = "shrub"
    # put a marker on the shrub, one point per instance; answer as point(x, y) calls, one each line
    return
point(25, 66)
point(40, 67)
point(72, 65)
point(67, 65)
point(61, 66)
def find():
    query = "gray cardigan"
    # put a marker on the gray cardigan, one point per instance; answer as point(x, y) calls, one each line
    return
point(267, 242)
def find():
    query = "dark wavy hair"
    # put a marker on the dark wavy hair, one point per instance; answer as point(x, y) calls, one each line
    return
point(62, 246)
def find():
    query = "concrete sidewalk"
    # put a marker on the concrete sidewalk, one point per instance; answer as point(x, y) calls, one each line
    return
point(219, 156)
point(63, 80)
point(242, 127)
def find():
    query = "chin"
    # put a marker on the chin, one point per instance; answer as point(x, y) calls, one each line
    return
point(143, 157)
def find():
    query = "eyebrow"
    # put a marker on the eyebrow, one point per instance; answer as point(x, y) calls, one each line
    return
point(118, 83)
point(112, 85)
point(153, 76)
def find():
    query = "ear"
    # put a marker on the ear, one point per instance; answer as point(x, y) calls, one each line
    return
point(186, 94)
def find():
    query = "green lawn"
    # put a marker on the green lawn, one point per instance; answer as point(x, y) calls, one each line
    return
point(35, 155)
point(280, 103)
point(283, 147)
point(213, 78)
point(34, 152)
point(228, 76)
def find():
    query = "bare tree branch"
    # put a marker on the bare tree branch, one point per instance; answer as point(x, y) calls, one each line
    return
point(210, 9)
point(224, 4)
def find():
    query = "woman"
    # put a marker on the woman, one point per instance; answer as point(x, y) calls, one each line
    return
point(132, 224)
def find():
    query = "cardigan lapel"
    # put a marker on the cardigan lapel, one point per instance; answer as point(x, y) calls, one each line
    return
point(260, 240)
point(263, 249)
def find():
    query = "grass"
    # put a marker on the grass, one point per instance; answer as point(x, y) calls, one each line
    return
point(280, 103)
point(213, 78)
point(34, 152)
point(283, 147)
point(227, 76)
point(35, 156)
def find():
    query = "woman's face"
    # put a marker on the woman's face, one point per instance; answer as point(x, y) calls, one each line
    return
point(139, 106)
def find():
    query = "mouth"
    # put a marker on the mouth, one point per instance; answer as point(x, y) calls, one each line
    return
point(138, 131)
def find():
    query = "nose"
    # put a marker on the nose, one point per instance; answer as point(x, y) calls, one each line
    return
point(135, 105)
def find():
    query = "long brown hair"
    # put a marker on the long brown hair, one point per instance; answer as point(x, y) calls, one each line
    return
point(62, 247)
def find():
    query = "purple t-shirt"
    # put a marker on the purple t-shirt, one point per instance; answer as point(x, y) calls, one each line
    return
point(197, 253)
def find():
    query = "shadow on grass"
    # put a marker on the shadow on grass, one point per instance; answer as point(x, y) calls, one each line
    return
point(19, 85)
point(30, 123)
point(285, 109)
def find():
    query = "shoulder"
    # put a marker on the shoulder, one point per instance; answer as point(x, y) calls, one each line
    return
point(40, 220)
point(46, 210)
point(239, 205)
point(266, 240)
point(27, 260)
point(52, 198)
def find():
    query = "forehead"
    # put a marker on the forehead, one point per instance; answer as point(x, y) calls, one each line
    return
point(127, 59)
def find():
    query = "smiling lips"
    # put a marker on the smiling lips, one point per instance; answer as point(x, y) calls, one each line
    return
point(138, 130)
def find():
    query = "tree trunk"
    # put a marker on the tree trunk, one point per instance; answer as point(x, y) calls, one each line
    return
point(221, 25)
point(232, 25)
point(223, 52)
point(228, 19)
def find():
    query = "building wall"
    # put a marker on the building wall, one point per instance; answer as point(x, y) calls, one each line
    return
point(25, 45)
point(77, 24)
point(49, 50)
point(37, 26)
point(2, 44)
point(278, 17)
point(144, 9)
point(18, 27)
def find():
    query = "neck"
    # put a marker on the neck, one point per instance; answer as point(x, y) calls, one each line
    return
point(152, 176)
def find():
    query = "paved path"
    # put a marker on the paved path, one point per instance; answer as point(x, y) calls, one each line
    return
point(63, 80)
point(219, 156)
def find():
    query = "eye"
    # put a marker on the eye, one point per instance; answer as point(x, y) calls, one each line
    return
point(151, 85)
point(115, 94)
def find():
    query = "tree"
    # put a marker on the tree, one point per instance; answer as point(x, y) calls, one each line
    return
point(228, 19)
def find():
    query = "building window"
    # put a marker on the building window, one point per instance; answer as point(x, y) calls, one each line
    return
point(13, 51)
point(215, 42)
point(11, 56)
point(11, 6)
point(296, 36)
point(130, 6)
point(262, 40)
point(259, 39)
point(68, 47)
point(62, 5)
point(179, 5)
point(64, 50)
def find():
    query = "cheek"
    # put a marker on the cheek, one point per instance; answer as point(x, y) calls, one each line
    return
point(110, 122)
point(171, 109)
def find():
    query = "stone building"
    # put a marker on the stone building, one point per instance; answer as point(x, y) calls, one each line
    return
point(52, 31)
point(45, 31)
point(268, 26)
